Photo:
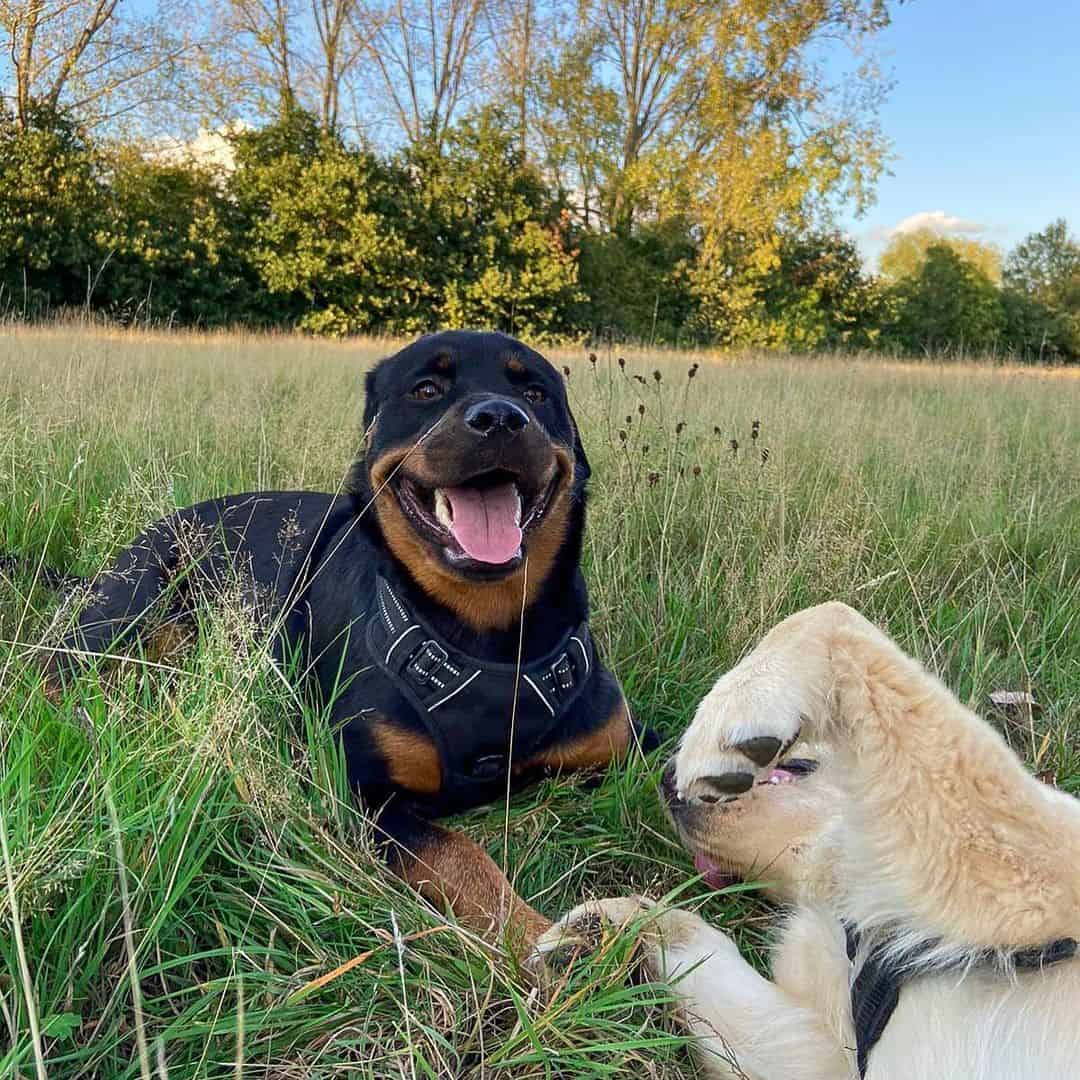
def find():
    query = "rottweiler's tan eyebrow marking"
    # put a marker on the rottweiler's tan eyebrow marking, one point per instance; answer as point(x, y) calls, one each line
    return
point(444, 363)
point(515, 366)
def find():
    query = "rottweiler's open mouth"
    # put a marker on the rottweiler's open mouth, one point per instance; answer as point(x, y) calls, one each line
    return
point(481, 523)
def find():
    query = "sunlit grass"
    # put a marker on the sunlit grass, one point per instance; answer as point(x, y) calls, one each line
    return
point(944, 502)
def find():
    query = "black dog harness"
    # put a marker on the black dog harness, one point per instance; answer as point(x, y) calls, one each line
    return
point(875, 991)
point(468, 705)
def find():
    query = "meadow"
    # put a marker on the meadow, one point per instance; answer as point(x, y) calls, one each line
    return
point(186, 889)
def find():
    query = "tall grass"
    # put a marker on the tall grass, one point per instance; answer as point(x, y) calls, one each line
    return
point(186, 888)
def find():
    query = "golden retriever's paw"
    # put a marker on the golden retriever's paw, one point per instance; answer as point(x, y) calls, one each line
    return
point(742, 730)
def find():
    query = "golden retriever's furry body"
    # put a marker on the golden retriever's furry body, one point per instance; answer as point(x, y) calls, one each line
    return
point(921, 828)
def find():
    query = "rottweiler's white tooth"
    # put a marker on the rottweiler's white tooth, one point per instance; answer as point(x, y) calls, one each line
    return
point(517, 513)
point(443, 514)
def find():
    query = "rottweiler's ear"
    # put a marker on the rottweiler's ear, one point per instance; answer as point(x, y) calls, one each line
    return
point(371, 400)
point(582, 471)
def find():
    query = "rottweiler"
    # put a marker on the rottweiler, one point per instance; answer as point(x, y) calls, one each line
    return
point(437, 604)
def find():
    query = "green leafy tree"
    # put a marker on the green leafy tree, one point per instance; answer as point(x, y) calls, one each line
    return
point(804, 291)
point(1046, 266)
point(949, 304)
point(312, 233)
point(1042, 293)
point(817, 296)
point(906, 253)
point(51, 204)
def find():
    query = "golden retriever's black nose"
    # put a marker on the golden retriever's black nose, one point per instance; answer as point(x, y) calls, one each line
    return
point(496, 414)
point(726, 785)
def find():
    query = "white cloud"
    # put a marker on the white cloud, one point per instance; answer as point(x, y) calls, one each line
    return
point(212, 149)
point(936, 221)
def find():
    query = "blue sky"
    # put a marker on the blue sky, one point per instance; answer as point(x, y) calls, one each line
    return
point(984, 118)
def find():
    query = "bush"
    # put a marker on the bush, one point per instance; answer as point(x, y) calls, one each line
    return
point(171, 246)
point(491, 240)
point(52, 203)
point(636, 286)
point(325, 257)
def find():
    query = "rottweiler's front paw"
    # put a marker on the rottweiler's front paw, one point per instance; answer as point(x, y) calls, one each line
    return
point(645, 737)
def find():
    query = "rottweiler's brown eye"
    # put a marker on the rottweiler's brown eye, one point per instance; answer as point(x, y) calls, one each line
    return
point(534, 394)
point(426, 390)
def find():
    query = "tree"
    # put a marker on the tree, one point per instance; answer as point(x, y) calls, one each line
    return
point(724, 113)
point(85, 57)
point(1046, 267)
point(339, 52)
point(425, 57)
point(817, 296)
point(52, 202)
point(804, 291)
point(948, 304)
point(516, 30)
point(271, 57)
point(577, 126)
point(1042, 292)
point(906, 253)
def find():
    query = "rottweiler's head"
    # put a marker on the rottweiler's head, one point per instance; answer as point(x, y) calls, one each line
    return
point(474, 466)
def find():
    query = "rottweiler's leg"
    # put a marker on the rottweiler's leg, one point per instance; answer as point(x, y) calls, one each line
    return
point(450, 870)
point(121, 605)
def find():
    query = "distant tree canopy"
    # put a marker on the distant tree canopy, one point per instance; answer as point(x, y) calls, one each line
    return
point(906, 253)
point(655, 170)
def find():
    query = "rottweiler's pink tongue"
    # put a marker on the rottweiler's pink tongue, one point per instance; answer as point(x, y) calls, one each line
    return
point(486, 522)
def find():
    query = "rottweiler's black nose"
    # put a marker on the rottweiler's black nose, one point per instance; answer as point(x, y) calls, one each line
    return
point(495, 414)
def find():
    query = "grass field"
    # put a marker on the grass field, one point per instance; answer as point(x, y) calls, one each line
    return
point(182, 877)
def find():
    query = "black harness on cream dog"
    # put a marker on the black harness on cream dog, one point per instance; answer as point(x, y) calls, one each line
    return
point(875, 991)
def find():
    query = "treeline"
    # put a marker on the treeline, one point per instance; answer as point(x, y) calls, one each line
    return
point(300, 231)
point(649, 170)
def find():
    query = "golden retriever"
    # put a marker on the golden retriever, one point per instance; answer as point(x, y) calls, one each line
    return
point(933, 883)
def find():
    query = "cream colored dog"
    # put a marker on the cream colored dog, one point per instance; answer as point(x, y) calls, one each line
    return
point(934, 883)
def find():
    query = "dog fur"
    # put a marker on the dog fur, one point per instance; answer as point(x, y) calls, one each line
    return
point(450, 410)
point(920, 827)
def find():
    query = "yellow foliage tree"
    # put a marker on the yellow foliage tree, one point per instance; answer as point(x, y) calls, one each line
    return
point(905, 255)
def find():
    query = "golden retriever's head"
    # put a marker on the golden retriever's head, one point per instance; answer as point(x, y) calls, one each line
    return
point(773, 834)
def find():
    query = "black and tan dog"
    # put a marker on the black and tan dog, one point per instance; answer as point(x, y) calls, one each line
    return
point(438, 605)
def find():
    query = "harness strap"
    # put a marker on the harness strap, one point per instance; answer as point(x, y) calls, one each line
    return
point(875, 991)
point(465, 702)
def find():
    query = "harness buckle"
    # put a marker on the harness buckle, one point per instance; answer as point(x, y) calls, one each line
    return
point(428, 659)
point(563, 673)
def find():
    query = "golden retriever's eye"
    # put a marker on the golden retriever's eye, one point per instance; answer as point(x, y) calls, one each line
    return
point(535, 395)
point(427, 390)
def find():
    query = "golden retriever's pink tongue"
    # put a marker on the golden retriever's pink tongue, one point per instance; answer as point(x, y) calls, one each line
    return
point(715, 878)
point(486, 522)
